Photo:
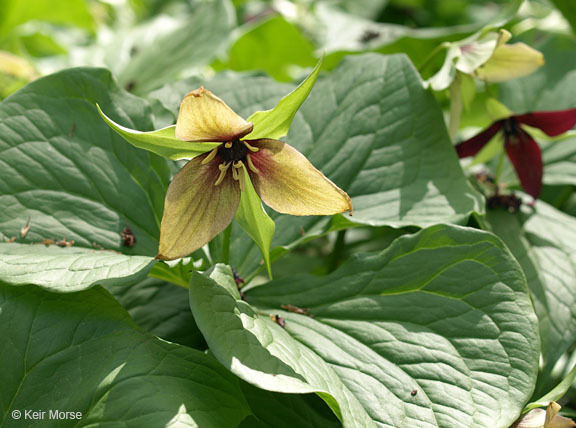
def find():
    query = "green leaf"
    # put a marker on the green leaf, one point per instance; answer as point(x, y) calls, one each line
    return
point(101, 364)
point(559, 158)
point(252, 217)
point(273, 45)
point(162, 49)
point(377, 329)
point(161, 309)
point(276, 122)
point(63, 12)
point(68, 172)
point(276, 410)
point(568, 9)
point(253, 347)
point(69, 269)
point(543, 240)
point(553, 86)
point(162, 141)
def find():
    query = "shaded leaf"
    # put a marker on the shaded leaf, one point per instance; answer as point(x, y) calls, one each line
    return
point(543, 239)
point(102, 365)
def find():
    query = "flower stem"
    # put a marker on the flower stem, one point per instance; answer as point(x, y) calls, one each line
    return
point(338, 251)
point(499, 168)
point(432, 54)
point(226, 235)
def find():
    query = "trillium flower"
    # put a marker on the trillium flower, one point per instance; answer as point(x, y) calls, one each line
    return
point(487, 56)
point(522, 150)
point(203, 197)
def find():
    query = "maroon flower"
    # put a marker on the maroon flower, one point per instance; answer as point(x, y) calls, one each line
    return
point(520, 147)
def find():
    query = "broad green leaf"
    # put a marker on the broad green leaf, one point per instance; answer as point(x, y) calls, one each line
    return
point(276, 122)
point(378, 329)
point(69, 269)
point(273, 45)
point(70, 174)
point(161, 309)
point(543, 240)
point(252, 217)
point(101, 364)
point(559, 159)
point(182, 42)
point(63, 12)
point(162, 141)
point(276, 410)
point(568, 9)
point(166, 47)
point(552, 87)
point(258, 350)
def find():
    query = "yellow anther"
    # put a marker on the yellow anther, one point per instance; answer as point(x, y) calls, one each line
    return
point(251, 165)
point(211, 156)
point(223, 168)
point(251, 148)
point(228, 144)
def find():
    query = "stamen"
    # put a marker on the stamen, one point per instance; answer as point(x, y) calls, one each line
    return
point(251, 148)
point(235, 167)
point(211, 156)
point(228, 144)
point(251, 165)
point(223, 168)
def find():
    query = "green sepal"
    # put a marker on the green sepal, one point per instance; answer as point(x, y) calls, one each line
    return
point(161, 141)
point(252, 217)
point(275, 123)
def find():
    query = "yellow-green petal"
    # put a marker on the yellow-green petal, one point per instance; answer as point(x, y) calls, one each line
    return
point(510, 62)
point(205, 117)
point(288, 183)
point(195, 210)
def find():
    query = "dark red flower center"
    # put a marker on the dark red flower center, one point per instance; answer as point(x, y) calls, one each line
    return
point(511, 129)
point(236, 152)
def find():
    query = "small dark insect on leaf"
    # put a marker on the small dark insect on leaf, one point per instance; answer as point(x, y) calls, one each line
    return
point(128, 237)
point(71, 133)
point(48, 242)
point(25, 229)
point(237, 278)
point(369, 35)
point(130, 86)
point(414, 392)
point(508, 202)
point(297, 310)
point(278, 320)
point(239, 282)
point(64, 243)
